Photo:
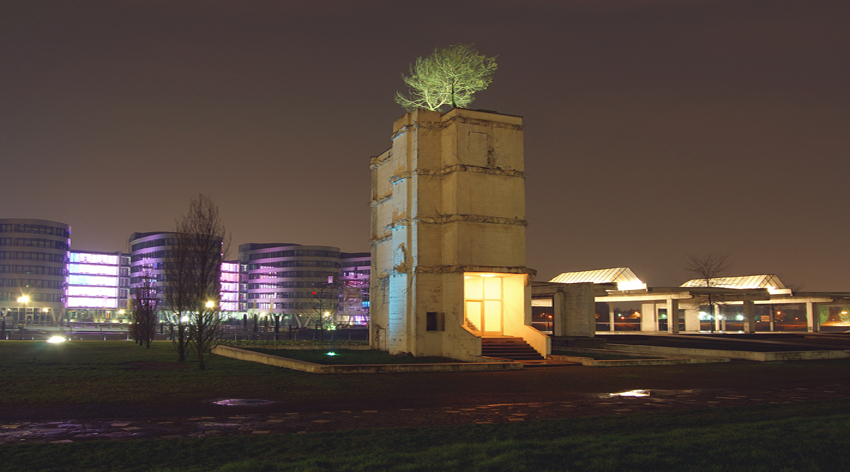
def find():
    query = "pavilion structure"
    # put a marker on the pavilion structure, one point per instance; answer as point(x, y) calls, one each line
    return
point(686, 307)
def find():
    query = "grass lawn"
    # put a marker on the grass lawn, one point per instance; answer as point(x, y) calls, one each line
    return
point(344, 356)
point(796, 437)
point(783, 437)
point(120, 372)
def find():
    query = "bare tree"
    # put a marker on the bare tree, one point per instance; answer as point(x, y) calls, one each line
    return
point(145, 307)
point(325, 304)
point(707, 269)
point(193, 273)
point(322, 308)
point(205, 238)
point(177, 290)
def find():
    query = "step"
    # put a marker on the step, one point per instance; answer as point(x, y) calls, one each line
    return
point(508, 348)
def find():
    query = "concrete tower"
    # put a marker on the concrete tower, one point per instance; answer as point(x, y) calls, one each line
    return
point(448, 236)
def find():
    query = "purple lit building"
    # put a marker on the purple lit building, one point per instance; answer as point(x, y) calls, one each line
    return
point(98, 285)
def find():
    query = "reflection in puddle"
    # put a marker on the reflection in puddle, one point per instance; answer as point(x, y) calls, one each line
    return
point(629, 393)
point(243, 402)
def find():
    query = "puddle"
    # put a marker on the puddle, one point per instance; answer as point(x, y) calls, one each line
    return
point(628, 393)
point(243, 402)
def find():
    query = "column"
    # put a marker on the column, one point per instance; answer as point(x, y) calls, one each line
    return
point(772, 317)
point(716, 309)
point(611, 319)
point(672, 316)
point(813, 317)
point(691, 317)
point(648, 317)
point(749, 313)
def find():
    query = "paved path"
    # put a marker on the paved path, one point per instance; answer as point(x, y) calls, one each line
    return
point(70, 430)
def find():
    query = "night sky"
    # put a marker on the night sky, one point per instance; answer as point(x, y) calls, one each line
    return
point(653, 129)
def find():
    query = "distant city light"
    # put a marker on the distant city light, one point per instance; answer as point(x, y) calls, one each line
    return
point(55, 339)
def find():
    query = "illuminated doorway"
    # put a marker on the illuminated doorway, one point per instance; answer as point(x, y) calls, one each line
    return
point(483, 300)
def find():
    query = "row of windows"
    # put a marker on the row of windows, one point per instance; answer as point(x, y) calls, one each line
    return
point(34, 297)
point(34, 242)
point(35, 229)
point(146, 267)
point(33, 256)
point(293, 274)
point(308, 263)
point(311, 295)
point(157, 277)
point(31, 283)
point(154, 243)
point(93, 258)
point(284, 284)
point(356, 264)
point(162, 254)
point(310, 307)
point(294, 253)
point(28, 269)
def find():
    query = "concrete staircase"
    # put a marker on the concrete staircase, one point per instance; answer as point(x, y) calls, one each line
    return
point(507, 347)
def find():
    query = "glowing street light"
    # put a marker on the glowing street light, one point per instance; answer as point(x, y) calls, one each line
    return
point(210, 304)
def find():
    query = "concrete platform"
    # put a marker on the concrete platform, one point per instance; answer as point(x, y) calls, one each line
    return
point(753, 347)
point(303, 366)
point(590, 362)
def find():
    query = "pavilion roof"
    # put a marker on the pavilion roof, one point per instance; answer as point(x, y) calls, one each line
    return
point(622, 276)
point(768, 281)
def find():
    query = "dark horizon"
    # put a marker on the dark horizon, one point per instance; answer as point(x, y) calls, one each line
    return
point(654, 129)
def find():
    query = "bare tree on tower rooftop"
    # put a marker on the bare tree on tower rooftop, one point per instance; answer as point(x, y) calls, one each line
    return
point(448, 77)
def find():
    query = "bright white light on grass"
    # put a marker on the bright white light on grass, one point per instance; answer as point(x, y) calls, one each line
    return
point(331, 353)
point(55, 339)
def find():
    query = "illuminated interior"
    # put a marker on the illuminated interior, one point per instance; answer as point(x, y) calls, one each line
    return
point(492, 301)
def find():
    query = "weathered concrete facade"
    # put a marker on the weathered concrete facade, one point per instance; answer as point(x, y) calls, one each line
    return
point(448, 236)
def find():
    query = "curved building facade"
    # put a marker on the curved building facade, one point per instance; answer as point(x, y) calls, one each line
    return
point(33, 267)
point(148, 252)
point(148, 255)
point(299, 282)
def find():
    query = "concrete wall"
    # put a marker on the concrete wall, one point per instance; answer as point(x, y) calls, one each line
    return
point(573, 307)
point(579, 311)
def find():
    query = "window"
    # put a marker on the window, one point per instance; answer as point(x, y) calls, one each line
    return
point(435, 321)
